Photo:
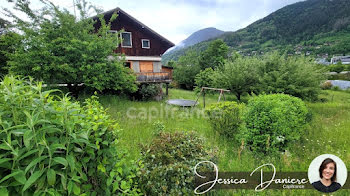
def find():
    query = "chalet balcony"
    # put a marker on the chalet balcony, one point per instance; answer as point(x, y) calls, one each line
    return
point(153, 77)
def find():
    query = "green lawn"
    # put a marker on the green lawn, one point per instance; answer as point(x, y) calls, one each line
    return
point(328, 133)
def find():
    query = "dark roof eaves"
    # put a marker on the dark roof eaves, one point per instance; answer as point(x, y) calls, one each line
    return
point(143, 25)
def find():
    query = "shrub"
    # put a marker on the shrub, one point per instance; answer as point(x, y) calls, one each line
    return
point(226, 117)
point(273, 121)
point(49, 144)
point(148, 91)
point(337, 68)
point(347, 67)
point(169, 163)
point(340, 76)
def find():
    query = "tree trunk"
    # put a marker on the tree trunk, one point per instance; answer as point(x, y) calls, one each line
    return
point(238, 95)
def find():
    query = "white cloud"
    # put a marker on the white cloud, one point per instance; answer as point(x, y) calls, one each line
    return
point(177, 19)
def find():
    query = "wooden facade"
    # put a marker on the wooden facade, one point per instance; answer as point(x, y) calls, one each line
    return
point(139, 31)
point(169, 70)
point(145, 61)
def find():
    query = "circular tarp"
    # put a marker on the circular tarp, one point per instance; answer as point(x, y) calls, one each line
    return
point(182, 102)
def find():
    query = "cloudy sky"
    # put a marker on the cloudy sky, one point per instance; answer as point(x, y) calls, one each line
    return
point(178, 19)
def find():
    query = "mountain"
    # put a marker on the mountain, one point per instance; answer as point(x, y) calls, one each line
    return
point(319, 28)
point(194, 38)
point(199, 36)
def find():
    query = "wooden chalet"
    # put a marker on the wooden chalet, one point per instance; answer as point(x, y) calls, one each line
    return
point(142, 47)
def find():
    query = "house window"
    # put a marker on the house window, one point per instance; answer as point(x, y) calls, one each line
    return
point(127, 64)
point(126, 40)
point(113, 32)
point(145, 43)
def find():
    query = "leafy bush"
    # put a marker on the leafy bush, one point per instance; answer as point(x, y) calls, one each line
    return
point(169, 162)
point(226, 117)
point(347, 67)
point(273, 121)
point(340, 76)
point(337, 68)
point(51, 145)
point(147, 91)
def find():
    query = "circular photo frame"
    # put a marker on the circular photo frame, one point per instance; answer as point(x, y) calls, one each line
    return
point(327, 173)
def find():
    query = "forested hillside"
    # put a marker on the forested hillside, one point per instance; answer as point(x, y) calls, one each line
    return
point(320, 28)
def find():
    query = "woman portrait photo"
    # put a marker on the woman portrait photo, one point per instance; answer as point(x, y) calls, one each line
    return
point(328, 175)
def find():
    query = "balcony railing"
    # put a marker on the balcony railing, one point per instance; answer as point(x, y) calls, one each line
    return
point(156, 77)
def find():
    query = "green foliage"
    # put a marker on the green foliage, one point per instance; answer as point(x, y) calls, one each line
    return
point(159, 127)
point(296, 76)
point(57, 48)
point(3, 25)
point(347, 67)
point(340, 76)
point(272, 73)
point(273, 122)
point(337, 68)
point(8, 44)
point(171, 63)
point(190, 65)
point(52, 145)
point(226, 118)
point(214, 56)
point(204, 79)
point(186, 69)
point(3, 48)
point(240, 76)
point(148, 91)
point(336, 88)
point(169, 162)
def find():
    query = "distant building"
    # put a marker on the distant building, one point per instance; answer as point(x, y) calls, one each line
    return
point(342, 59)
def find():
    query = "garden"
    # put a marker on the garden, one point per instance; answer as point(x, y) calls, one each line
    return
point(99, 140)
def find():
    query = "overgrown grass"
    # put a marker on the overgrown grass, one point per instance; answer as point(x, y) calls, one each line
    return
point(327, 133)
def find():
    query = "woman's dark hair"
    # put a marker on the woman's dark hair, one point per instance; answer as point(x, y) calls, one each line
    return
point(324, 165)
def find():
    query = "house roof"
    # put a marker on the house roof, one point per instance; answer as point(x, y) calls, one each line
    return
point(118, 10)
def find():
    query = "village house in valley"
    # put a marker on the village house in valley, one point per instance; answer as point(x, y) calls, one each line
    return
point(345, 60)
point(141, 46)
